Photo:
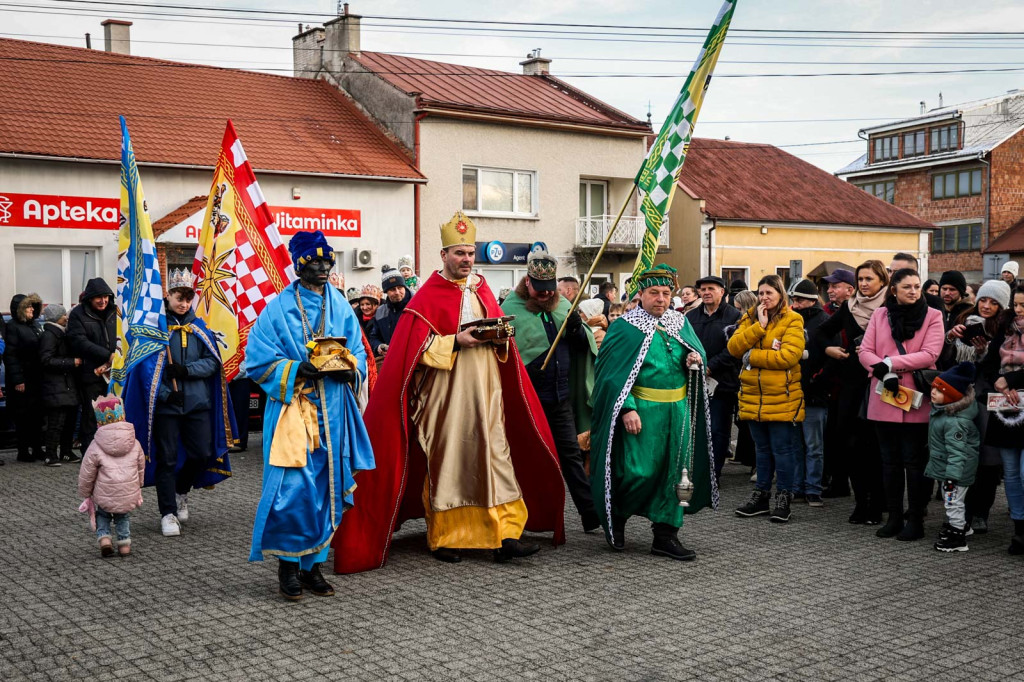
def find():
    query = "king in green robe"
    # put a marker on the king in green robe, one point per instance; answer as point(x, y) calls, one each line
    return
point(648, 369)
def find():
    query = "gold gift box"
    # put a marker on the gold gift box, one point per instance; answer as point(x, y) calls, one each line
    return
point(330, 354)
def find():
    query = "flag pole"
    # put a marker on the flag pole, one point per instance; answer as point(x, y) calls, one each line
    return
point(586, 281)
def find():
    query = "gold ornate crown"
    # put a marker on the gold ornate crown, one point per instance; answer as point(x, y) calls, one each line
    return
point(459, 231)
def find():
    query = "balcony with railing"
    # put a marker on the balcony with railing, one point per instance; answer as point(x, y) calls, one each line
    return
point(591, 232)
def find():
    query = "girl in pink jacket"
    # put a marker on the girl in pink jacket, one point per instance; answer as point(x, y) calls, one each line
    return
point(112, 473)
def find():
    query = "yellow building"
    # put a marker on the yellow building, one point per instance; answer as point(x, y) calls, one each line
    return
point(742, 211)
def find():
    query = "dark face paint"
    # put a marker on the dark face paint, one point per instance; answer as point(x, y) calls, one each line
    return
point(316, 272)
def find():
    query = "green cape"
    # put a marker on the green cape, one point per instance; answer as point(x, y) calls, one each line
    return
point(616, 372)
point(532, 341)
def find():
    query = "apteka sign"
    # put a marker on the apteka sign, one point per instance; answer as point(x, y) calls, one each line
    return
point(52, 210)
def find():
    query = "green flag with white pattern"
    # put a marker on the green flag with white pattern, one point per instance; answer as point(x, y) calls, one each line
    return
point(657, 177)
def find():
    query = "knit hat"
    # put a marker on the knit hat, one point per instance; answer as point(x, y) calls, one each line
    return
point(1012, 267)
point(954, 382)
point(391, 278)
point(660, 275)
point(737, 285)
point(996, 289)
point(955, 279)
point(805, 289)
point(55, 311)
point(405, 262)
point(305, 246)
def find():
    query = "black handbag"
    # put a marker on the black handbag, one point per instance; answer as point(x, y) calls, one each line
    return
point(922, 377)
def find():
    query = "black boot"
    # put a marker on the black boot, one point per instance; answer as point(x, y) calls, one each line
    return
point(314, 581)
point(515, 549)
point(757, 505)
point(288, 580)
point(951, 539)
point(447, 555)
point(912, 530)
point(1017, 541)
point(782, 512)
point(618, 530)
point(893, 526)
point(666, 543)
point(590, 522)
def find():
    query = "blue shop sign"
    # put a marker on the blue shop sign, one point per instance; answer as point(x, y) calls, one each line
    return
point(495, 253)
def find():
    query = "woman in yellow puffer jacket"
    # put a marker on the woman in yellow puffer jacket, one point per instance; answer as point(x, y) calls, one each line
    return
point(770, 339)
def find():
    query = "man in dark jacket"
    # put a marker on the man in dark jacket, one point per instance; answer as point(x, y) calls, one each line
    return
point(805, 300)
point(25, 375)
point(712, 322)
point(59, 387)
point(92, 336)
point(953, 289)
point(386, 318)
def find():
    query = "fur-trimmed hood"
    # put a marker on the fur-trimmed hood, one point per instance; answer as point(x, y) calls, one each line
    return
point(21, 303)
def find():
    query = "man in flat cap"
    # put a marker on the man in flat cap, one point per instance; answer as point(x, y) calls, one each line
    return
point(564, 386)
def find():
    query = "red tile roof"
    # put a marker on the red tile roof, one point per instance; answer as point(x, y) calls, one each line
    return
point(760, 182)
point(454, 86)
point(1011, 241)
point(189, 208)
point(64, 101)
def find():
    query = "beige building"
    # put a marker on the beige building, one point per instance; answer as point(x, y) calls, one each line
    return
point(529, 157)
point(743, 211)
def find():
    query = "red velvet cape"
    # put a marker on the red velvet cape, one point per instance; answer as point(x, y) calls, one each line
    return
point(391, 493)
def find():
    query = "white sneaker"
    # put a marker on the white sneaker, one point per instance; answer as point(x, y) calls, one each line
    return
point(182, 501)
point(169, 526)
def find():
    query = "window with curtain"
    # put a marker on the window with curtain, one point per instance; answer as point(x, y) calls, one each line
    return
point(499, 191)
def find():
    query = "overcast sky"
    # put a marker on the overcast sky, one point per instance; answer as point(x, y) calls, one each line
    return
point(753, 109)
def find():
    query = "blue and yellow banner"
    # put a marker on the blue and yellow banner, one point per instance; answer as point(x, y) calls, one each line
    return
point(141, 323)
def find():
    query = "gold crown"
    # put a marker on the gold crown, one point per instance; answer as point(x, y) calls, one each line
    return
point(459, 231)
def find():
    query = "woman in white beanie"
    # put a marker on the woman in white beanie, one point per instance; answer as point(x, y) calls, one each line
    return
point(1010, 272)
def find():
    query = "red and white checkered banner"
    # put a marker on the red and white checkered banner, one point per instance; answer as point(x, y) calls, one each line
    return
point(241, 263)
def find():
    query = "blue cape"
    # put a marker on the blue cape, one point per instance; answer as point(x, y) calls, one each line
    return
point(141, 388)
point(301, 507)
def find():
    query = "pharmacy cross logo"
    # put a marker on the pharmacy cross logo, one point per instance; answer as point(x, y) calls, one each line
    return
point(5, 213)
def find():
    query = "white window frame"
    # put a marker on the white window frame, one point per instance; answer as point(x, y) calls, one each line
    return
point(744, 268)
point(516, 172)
point(69, 298)
point(604, 183)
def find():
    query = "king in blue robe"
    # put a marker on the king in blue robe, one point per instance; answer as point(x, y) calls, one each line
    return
point(314, 440)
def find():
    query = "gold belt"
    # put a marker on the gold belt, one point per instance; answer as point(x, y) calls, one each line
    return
point(659, 395)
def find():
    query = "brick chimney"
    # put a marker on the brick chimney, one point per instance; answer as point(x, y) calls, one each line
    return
point(117, 36)
point(341, 38)
point(307, 52)
point(535, 65)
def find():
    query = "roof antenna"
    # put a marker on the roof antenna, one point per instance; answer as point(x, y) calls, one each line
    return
point(88, 41)
point(940, 100)
point(648, 112)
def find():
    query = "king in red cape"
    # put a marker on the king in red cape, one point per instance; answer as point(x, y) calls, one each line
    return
point(458, 433)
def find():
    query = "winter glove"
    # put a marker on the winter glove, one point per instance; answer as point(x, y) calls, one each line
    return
point(345, 376)
point(176, 371)
point(575, 322)
point(879, 370)
point(176, 398)
point(949, 485)
point(307, 370)
point(891, 383)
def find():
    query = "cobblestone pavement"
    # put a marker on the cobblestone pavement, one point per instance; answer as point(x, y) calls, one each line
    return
point(816, 599)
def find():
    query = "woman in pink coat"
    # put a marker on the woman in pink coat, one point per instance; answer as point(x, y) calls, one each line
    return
point(112, 474)
point(902, 336)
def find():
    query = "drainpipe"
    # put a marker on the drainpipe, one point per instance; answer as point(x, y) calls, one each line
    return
point(711, 251)
point(417, 187)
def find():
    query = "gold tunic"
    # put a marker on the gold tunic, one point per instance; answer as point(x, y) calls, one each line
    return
point(471, 497)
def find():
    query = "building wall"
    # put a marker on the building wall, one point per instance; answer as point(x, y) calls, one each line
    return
point(560, 160)
point(1007, 185)
point(738, 245)
point(387, 210)
point(686, 238)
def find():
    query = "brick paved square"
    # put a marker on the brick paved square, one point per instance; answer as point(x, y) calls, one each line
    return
point(816, 599)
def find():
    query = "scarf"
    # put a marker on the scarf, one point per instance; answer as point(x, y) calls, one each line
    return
point(1011, 353)
point(905, 319)
point(862, 307)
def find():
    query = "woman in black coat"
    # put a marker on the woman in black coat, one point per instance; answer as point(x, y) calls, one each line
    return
point(92, 336)
point(60, 390)
point(24, 375)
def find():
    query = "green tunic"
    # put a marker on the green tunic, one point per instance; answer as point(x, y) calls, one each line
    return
point(646, 467)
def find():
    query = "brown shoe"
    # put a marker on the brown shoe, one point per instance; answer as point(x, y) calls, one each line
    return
point(106, 546)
